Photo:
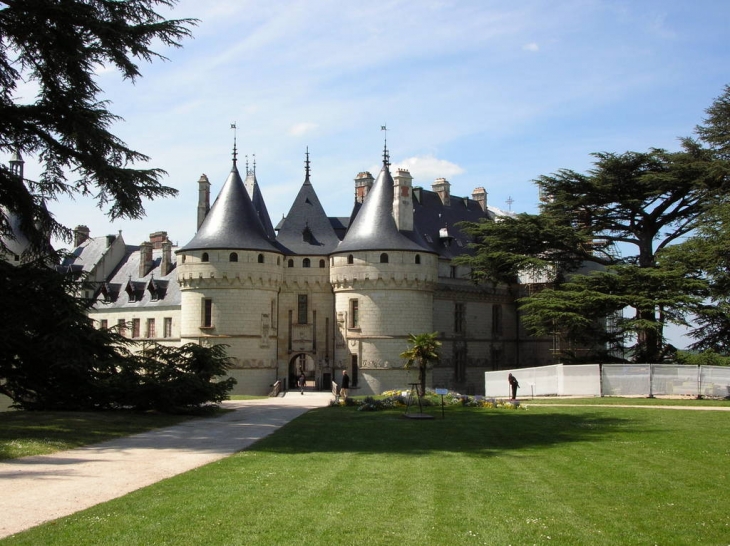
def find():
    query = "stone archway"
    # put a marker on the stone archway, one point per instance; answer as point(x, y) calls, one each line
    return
point(302, 362)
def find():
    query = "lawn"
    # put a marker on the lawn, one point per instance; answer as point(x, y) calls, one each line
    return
point(544, 475)
point(24, 433)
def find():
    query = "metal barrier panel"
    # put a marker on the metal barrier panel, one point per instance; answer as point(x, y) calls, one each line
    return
point(580, 380)
point(674, 379)
point(540, 381)
point(626, 379)
point(715, 381)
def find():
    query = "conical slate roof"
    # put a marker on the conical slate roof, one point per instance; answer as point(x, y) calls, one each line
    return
point(254, 192)
point(374, 227)
point(306, 229)
point(232, 221)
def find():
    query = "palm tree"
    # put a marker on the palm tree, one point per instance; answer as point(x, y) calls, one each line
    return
point(423, 349)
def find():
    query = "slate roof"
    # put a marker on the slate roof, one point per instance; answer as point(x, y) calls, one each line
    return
point(373, 228)
point(85, 256)
point(438, 223)
point(125, 289)
point(232, 222)
point(306, 229)
point(259, 205)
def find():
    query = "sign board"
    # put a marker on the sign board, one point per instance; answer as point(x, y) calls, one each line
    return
point(442, 392)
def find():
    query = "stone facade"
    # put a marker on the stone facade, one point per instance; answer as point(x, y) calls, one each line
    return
point(324, 294)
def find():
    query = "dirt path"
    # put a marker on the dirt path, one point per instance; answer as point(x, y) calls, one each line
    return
point(43, 488)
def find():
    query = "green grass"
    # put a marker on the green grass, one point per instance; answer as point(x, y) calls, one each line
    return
point(545, 475)
point(615, 401)
point(24, 433)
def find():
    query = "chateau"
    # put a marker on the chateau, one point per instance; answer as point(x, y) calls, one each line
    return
point(316, 294)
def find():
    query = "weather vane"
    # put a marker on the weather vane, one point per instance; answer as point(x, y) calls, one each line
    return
point(233, 126)
point(386, 156)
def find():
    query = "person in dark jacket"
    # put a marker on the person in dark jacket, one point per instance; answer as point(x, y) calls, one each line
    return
point(345, 388)
point(514, 385)
point(302, 382)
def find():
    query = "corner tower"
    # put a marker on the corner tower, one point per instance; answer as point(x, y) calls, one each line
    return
point(229, 275)
point(383, 279)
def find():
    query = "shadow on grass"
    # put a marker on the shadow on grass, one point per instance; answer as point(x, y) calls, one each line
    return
point(464, 430)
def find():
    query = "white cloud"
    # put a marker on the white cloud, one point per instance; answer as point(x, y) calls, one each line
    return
point(532, 46)
point(428, 168)
point(300, 129)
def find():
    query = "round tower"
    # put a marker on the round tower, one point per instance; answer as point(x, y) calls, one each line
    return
point(383, 280)
point(229, 276)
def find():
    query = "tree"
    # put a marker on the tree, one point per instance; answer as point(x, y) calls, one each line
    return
point(58, 46)
point(423, 349)
point(633, 203)
point(53, 358)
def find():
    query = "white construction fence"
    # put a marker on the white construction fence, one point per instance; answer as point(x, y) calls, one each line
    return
point(612, 380)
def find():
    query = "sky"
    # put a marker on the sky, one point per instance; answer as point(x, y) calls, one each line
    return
point(490, 93)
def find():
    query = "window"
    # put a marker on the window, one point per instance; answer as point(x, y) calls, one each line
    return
point(103, 324)
point(302, 304)
point(290, 263)
point(261, 258)
point(383, 258)
point(321, 264)
point(135, 328)
point(459, 317)
point(460, 364)
point(418, 259)
point(167, 327)
point(150, 327)
point(497, 319)
point(350, 259)
point(205, 257)
point(183, 258)
point(354, 314)
point(452, 271)
point(233, 257)
point(207, 313)
point(122, 326)
point(306, 262)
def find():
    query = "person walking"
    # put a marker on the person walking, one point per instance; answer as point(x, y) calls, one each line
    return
point(514, 385)
point(302, 382)
point(345, 388)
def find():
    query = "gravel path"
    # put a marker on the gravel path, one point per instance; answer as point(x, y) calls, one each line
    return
point(43, 488)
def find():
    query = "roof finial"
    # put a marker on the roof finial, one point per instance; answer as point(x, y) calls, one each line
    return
point(254, 165)
point(306, 166)
point(246, 164)
point(386, 156)
point(235, 153)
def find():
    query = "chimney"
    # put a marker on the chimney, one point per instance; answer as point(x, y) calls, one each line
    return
point(443, 188)
point(145, 258)
point(81, 234)
point(158, 238)
point(166, 263)
point(203, 199)
point(403, 200)
point(363, 183)
point(480, 196)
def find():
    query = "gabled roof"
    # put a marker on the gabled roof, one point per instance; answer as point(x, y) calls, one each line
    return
point(374, 227)
point(306, 229)
point(232, 222)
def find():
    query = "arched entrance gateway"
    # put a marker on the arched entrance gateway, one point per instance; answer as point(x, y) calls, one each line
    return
point(303, 363)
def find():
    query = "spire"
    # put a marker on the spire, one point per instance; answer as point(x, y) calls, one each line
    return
point(306, 166)
point(235, 153)
point(386, 155)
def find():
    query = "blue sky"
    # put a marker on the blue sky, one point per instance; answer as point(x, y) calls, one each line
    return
point(485, 93)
